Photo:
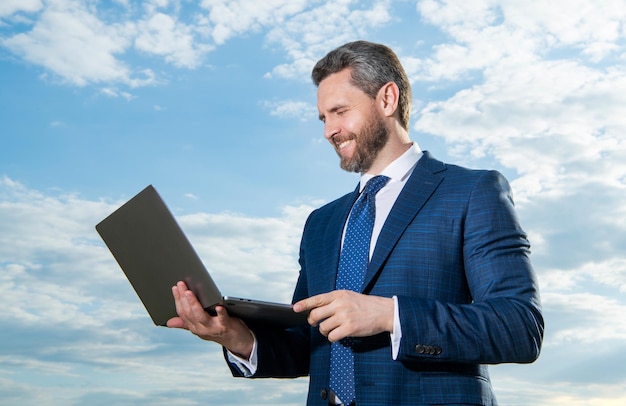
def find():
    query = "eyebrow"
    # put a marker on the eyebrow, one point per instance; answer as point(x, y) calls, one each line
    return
point(322, 117)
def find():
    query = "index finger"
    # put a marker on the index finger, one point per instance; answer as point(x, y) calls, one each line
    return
point(312, 302)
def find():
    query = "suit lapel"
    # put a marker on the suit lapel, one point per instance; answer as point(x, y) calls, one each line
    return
point(422, 183)
point(332, 238)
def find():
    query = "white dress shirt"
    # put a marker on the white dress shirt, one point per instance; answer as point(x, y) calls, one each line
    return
point(398, 173)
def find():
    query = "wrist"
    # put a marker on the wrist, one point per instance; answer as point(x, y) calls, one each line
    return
point(241, 342)
point(390, 315)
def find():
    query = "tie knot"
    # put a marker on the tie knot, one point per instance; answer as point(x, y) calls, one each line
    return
point(374, 185)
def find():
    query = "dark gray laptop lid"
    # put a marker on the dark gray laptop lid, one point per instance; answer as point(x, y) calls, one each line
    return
point(155, 254)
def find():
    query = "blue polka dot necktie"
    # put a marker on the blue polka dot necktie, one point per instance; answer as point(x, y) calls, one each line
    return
point(352, 266)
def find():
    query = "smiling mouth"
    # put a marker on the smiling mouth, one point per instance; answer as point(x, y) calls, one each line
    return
point(342, 143)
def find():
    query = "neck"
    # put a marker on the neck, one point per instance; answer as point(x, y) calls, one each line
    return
point(397, 145)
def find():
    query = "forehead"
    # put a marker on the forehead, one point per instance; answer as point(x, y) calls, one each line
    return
point(337, 88)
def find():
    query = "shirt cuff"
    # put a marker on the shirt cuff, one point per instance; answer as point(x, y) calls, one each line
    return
point(396, 335)
point(247, 367)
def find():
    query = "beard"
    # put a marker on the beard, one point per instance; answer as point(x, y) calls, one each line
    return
point(369, 142)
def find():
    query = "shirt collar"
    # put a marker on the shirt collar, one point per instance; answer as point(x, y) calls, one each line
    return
point(398, 170)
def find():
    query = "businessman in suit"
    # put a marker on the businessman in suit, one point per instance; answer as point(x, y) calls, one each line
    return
point(447, 285)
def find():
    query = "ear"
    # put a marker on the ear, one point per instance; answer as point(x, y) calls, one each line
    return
point(388, 97)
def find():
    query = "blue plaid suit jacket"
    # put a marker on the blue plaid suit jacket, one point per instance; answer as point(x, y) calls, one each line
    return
point(454, 254)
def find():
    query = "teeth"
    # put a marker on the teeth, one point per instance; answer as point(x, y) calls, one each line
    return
point(343, 144)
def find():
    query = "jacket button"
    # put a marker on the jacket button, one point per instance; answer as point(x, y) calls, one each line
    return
point(324, 394)
point(438, 350)
point(420, 349)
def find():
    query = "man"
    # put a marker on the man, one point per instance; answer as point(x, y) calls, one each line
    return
point(446, 287)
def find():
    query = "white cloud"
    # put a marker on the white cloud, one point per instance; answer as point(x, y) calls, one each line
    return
point(229, 19)
point(309, 35)
point(491, 32)
point(116, 93)
point(244, 253)
point(595, 28)
point(69, 40)
point(610, 272)
point(162, 34)
point(300, 110)
point(9, 7)
point(80, 45)
point(547, 393)
point(557, 122)
point(564, 113)
point(50, 257)
point(584, 318)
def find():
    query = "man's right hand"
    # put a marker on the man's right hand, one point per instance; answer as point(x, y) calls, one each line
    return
point(228, 331)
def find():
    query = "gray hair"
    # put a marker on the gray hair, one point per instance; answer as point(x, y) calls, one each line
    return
point(372, 66)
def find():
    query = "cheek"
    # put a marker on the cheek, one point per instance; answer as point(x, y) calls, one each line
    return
point(353, 124)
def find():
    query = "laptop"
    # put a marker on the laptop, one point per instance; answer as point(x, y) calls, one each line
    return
point(154, 253)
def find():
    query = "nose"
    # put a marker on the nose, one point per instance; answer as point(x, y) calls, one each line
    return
point(330, 129)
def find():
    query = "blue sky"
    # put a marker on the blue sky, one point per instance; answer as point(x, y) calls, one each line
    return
point(211, 102)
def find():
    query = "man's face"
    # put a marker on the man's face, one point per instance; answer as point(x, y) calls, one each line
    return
point(351, 122)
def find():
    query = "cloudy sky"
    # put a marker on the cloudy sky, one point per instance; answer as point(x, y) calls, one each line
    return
point(211, 102)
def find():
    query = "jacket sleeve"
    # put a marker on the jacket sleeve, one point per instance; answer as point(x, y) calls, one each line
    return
point(502, 320)
point(281, 353)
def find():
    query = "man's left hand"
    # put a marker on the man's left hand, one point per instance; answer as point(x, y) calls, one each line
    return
point(344, 313)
